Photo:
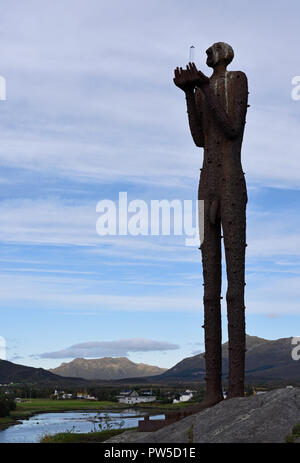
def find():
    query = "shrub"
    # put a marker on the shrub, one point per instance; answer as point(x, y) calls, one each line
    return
point(295, 434)
point(6, 405)
point(4, 408)
point(296, 430)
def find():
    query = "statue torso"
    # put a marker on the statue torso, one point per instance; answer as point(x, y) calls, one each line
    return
point(222, 172)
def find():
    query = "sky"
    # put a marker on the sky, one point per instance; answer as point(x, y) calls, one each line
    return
point(91, 111)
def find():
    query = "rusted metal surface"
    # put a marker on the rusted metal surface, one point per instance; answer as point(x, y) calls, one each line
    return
point(170, 417)
point(217, 109)
point(147, 425)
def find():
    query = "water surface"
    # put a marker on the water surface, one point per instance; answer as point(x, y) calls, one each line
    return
point(34, 428)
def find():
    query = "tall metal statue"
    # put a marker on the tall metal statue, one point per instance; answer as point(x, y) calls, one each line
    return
point(217, 109)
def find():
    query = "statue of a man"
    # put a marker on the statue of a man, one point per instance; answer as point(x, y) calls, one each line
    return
point(217, 109)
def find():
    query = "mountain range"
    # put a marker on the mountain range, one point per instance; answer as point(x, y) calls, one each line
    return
point(268, 361)
point(14, 373)
point(107, 368)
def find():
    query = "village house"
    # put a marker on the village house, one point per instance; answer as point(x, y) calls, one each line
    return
point(133, 397)
point(184, 397)
point(85, 396)
point(62, 395)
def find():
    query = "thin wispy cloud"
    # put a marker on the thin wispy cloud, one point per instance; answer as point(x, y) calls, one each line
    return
point(101, 112)
point(91, 110)
point(119, 348)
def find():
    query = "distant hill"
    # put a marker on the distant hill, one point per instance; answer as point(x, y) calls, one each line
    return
point(266, 360)
point(14, 373)
point(107, 368)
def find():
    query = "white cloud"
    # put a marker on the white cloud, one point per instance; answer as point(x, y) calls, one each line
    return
point(271, 146)
point(48, 222)
point(90, 99)
point(120, 348)
point(86, 294)
point(56, 222)
point(90, 95)
point(271, 236)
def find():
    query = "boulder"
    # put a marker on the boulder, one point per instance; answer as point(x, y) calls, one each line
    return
point(261, 418)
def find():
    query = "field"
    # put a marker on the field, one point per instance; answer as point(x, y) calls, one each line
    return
point(49, 405)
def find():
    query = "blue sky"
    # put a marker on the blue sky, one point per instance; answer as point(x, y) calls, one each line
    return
point(91, 110)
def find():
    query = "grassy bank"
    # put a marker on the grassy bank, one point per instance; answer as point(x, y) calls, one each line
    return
point(4, 421)
point(79, 438)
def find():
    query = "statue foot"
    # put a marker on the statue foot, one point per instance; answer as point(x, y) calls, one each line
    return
point(206, 403)
point(210, 402)
point(232, 396)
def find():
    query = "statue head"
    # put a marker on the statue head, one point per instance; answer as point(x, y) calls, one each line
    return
point(219, 53)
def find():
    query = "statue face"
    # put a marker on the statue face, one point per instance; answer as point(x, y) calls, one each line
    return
point(211, 58)
point(219, 52)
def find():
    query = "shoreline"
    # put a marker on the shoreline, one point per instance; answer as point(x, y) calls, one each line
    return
point(26, 415)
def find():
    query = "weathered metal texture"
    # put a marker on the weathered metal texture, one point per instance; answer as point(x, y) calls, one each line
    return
point(147, 425)
point(217, 109)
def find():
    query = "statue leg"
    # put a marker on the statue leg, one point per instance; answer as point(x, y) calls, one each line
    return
point(211, 262)
point(233, 215)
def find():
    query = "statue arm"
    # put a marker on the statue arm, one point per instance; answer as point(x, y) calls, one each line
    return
point(195, 119)
point(186, 80)
point(240, 101)
point(232, 126)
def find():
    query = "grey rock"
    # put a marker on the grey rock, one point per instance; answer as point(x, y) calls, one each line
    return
point(127, 436)
point(267, 418)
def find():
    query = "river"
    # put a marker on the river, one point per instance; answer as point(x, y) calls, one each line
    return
point(33, 429)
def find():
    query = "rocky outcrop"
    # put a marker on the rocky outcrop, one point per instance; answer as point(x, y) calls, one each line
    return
point(267, 418)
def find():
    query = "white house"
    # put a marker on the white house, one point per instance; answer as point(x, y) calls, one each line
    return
point(185, 397)
point(85, 396)
point(132, 397)
point(62, 395)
